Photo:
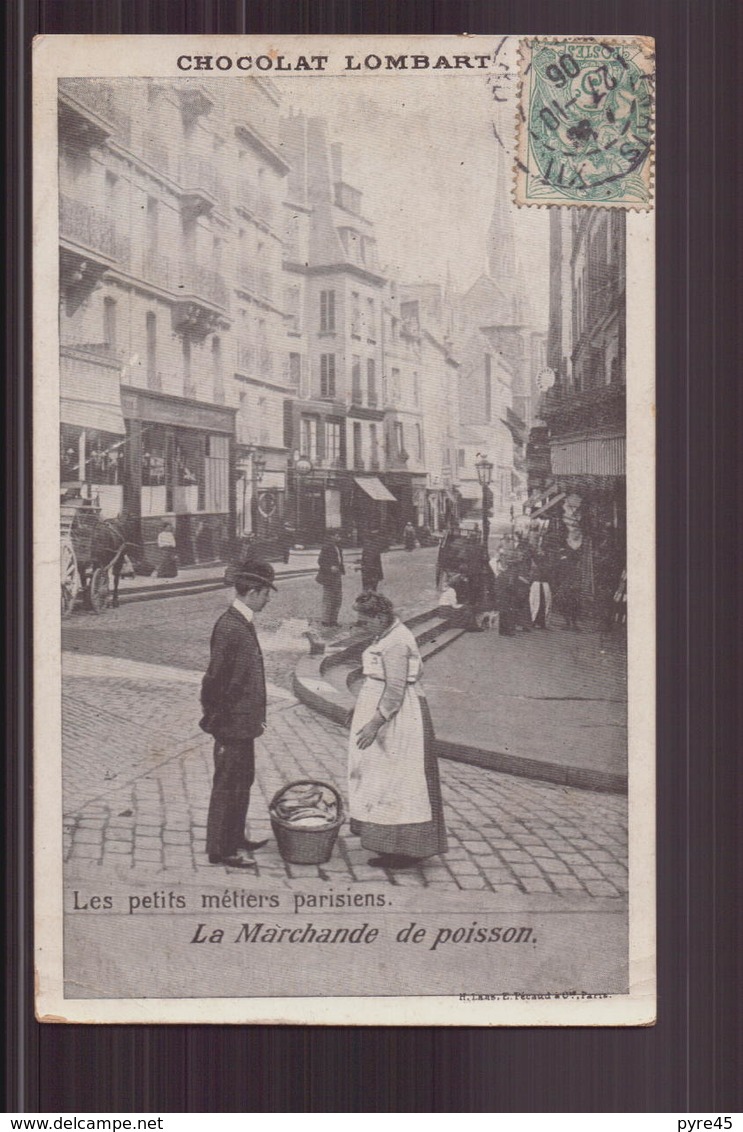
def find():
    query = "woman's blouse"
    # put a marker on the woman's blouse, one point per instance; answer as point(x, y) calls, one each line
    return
point(394, 659)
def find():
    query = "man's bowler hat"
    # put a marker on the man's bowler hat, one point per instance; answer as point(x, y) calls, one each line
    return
point(255, 571)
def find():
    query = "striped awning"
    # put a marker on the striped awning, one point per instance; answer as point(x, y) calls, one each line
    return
point(374, 488)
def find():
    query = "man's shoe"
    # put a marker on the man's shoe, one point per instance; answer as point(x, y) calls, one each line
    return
point(393, 861)
point(251, 846)
point(236, 861)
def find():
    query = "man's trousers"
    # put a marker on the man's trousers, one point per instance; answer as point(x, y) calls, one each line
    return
point(332, 598)
point(234, 772)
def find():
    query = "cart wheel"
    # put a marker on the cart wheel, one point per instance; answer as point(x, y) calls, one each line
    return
point(69, 579)
point(99, 592)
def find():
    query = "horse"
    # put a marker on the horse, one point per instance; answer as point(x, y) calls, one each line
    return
point(108, 548)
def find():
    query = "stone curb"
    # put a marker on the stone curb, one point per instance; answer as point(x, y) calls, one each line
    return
point(313, 689)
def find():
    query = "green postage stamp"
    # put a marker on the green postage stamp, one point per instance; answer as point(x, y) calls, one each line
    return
point(585, 122)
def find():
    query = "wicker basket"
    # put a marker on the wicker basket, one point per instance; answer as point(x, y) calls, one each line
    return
point(305, 846)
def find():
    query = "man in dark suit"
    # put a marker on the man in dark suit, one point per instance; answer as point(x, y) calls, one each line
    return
point(329, 575)
point(233, 696)
point(371, 562)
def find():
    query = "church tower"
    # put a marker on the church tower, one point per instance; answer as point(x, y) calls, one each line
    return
point(504, 267)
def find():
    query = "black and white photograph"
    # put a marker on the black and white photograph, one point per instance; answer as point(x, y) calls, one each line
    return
point(343, 529)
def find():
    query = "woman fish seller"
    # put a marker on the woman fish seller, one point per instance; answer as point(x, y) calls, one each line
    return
point(393, 782)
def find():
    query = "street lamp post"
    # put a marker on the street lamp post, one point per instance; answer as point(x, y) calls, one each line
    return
point(484, 475)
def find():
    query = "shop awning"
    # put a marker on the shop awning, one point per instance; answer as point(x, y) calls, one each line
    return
point(103, 416)
point(374, 488)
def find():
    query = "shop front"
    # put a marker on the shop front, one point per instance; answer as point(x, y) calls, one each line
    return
point(408, 492)
point(179, 472)
point(261, 498)
point(92, 430)
point(372, 504)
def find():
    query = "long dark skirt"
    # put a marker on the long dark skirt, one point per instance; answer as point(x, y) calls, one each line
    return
point(416, 839)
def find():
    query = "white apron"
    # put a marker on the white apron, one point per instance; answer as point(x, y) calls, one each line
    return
point(387, 782)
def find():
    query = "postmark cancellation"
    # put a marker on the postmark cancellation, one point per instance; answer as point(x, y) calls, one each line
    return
point(585, 122)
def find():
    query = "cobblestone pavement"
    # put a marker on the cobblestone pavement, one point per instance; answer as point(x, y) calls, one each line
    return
point(137, 775)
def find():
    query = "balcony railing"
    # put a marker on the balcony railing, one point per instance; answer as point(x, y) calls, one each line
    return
point(158, 269)
point(82, 224)
point(100, 100)
point(185, 280)
point(105, 352)
point(196, 175)
point(157, 155)
point(202, 283)
point(576, 411)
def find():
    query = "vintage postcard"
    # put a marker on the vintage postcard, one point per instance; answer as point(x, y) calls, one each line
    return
point(344, 530)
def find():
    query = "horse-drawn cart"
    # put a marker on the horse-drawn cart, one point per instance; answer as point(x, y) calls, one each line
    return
point(91, 554)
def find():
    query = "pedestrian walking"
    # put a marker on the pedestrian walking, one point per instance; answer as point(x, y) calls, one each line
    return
point(233, 698)
point(393, 782)
point(330, 577)
point(408, 536)
point(371, 563)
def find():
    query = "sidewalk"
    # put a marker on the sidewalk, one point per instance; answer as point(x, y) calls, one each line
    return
point(549, 704)
point(210, 575)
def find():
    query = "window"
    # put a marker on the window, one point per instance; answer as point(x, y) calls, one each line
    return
point(371, 383)
point(399, 439)
point(419, 441)
point(291, 302)
point(154, 449)
point(358, 454)
point(102, 455)
point(488, 388)
point(355, 314)
point(374, 445)
point(327, 311)
point(356, 380)
point(217, 372)
point(395, 386)
point(333, 441)
point(216, 473)
point(188, 386)
point(295, 369)
point(416, 389)
point(109, 324)
point(371, 327)
point(460, 457)
point(151, 334)
point(327, 375)
point(308, 438)
point(153, 225)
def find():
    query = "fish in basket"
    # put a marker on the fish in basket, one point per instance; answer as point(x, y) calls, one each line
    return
point(306, 817)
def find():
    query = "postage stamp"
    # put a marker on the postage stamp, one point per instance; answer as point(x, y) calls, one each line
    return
point(343, 537)
point(585, 122)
